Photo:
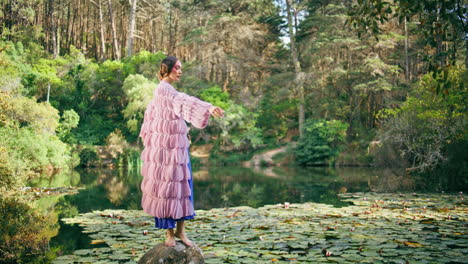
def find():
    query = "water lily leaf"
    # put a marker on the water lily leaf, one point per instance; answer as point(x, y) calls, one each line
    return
point(300, 232)
point(412, 244)
point(83, 252)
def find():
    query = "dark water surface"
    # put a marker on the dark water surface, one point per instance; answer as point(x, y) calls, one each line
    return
point(213, 188)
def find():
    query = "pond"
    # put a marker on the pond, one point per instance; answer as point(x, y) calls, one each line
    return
point(216, 187)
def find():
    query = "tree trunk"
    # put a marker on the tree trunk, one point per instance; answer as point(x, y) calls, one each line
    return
point(59, 28)
point(171, 40)
point(297, 68)
point(101, 31)
point(407, 76)
point(131, 27)
point(53, 30)
point(87, 36)
point(466, 54)
point(439, 31)
point(114, 33)
point(69, 21)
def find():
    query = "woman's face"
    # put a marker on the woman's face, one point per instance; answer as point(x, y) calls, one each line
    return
point(176, 72)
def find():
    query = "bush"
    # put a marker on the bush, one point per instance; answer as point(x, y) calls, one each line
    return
point(35, 151)
point(321, 142)
point(238, 127)
point(139, 91)
point(69, 120)
point(24, 234)
point(88, 156)
point(423, 131)
point(116, 144)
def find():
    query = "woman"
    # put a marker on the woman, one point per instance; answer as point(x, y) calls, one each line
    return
point(167, 177)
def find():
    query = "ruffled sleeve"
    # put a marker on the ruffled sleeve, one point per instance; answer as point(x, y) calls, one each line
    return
point(144, 130)
point(192, 109)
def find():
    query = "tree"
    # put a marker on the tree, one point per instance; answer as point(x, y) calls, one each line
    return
point(443, 24)
point(355, 77)
point(299, 80)
point(131, 28)
point(115, 43)
point(139, 91)
point(69, 120)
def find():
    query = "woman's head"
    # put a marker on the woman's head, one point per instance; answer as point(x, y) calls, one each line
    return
point(170, 70)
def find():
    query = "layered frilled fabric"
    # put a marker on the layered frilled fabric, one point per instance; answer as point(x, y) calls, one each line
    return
point(165, 186)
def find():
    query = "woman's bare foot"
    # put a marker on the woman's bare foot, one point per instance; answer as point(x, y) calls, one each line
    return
point(170, 240)
point(184, 238)
point(180, 233)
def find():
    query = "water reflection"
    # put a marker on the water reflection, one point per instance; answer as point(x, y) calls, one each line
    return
point(227, 186)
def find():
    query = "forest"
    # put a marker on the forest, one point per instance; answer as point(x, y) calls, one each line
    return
point(340, 83)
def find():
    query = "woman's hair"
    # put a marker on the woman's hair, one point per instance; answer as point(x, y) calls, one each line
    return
point(166, 66)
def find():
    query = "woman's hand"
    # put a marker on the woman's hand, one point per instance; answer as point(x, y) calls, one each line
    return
point(216, 111)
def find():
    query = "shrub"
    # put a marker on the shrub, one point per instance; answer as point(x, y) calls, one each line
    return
point(321, 142)
point(423, 131)
point(88, 156)
point(24, 234)
point(116, 144)
point(69, 120)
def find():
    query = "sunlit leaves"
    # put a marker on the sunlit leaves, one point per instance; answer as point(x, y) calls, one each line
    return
point(69, 120)
point(139, 91)
point(238, 126)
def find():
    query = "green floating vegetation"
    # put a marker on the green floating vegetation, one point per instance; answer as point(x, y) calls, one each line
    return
point(39, 192)
point(376, 228)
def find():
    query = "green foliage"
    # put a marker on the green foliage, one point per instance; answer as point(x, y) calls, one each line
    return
point(230, 158)
point(131, 158)
point(28, 136)
point(43, 73)
point(27, 145)
point(95, 92)
point(12, 172)
point(116, 144)
point(440, 25)
point(139, 92)
point(321, 142)
point(275, 117)
point(24, 233)
point(216, 96)
point(41, 117)
point(427, 127)
point(351, 78)
point(69, 120)
point(11, 67)
point(144, 63)
point(238, 129)
point(88, 156)
point(238, 126)
point(36, 151)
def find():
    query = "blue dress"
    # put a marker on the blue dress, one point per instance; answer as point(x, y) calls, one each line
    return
point(169, 223)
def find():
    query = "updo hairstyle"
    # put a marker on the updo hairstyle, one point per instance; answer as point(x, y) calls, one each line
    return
point(166, 66)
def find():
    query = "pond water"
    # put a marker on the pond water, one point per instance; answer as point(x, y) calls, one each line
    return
point(213, 188)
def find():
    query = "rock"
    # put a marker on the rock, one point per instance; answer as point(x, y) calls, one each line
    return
point(180, 254)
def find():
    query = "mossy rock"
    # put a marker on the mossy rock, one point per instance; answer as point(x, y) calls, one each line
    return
point(180, 254)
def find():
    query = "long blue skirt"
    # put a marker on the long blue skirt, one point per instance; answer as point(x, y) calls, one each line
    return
point(168, 223)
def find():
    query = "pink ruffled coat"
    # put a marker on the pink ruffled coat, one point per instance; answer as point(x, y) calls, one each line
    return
point(165, 171)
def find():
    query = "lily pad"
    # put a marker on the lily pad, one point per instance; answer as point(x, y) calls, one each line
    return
point(383, 228)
